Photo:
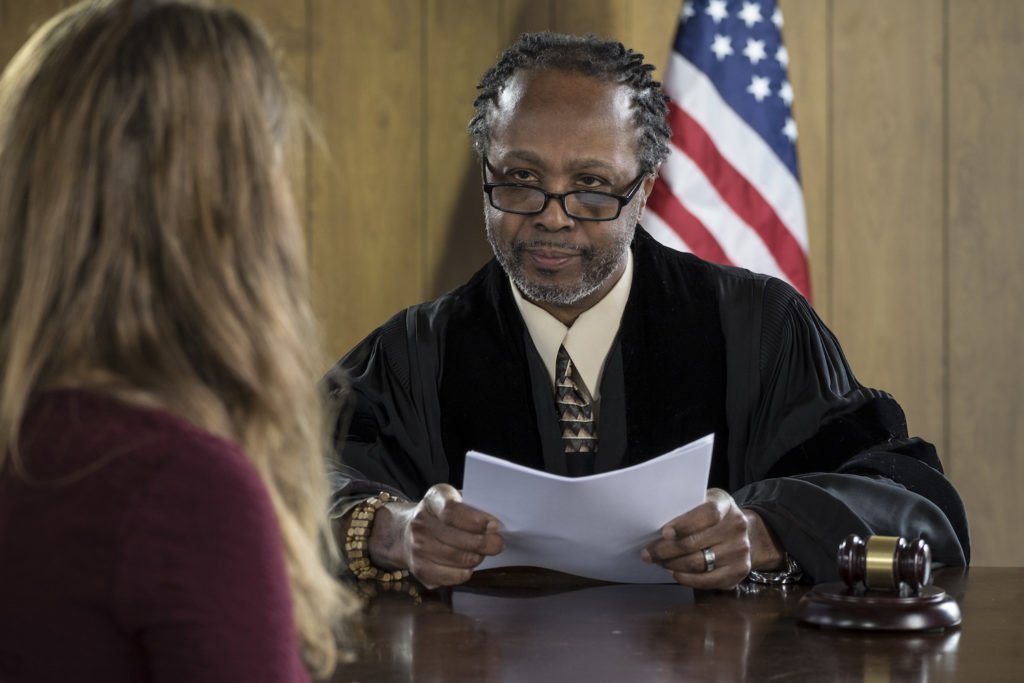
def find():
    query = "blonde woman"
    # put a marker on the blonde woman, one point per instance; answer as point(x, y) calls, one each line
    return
point(162, 493)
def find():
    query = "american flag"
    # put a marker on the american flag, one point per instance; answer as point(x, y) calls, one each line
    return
point(730, 189)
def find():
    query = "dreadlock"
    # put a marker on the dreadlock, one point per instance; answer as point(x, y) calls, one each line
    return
point(591, 56)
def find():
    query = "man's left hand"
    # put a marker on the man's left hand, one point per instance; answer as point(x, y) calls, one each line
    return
point(738, 538)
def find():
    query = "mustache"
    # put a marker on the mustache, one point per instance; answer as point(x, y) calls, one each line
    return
point(548, 244)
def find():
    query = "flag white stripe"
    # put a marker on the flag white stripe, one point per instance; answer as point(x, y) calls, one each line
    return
point(661, 231)
point(740, 242)
point(741, 146)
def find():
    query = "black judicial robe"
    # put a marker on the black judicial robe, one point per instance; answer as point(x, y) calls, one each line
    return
point(702, 348)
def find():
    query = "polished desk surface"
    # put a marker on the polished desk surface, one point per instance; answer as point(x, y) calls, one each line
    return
point(509, 626)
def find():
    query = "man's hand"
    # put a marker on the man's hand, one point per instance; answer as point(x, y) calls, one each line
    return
point(738, 538)
point(440, 539)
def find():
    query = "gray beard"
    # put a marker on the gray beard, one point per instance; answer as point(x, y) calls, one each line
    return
point(598, 266)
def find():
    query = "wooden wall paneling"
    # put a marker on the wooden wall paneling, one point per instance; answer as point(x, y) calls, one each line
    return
point(524, 16)
point(287, 25)
point(463, 39)
point(286, 22)
point(986, 278)
point(605, 18)
point(19, 19)
point(654, 24)
point(806, 35)
point(887, 118)
point(367, 197)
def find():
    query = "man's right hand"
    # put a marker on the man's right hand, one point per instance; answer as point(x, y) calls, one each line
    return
point(440, 540)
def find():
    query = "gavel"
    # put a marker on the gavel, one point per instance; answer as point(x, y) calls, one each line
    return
point(885, 563)
point(886, 589)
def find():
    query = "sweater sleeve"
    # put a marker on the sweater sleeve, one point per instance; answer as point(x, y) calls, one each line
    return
point(201, 582)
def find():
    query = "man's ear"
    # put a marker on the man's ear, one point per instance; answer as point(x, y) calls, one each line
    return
point(648, 187)
point(649, 184)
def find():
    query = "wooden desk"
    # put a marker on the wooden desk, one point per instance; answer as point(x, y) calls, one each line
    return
point(497, 629)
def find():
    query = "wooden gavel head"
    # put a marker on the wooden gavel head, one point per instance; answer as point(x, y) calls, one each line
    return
point(888, 563)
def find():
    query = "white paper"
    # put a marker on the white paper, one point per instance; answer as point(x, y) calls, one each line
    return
point(589, 526)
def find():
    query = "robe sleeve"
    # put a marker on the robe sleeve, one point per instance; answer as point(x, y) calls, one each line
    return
point(386, 425)
point(817, 454)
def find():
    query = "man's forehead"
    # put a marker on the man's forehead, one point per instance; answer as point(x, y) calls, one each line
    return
point(565, 121)
point(572, 161)
point(559, 91)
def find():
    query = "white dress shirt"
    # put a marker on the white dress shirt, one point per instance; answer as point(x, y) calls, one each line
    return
point(589, 339)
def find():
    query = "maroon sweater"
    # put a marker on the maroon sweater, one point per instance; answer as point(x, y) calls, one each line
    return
point(160, 560)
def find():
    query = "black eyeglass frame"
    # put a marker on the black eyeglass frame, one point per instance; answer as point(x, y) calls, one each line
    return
point(623, 199)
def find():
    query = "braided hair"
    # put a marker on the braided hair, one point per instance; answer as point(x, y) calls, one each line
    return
point(591, 56)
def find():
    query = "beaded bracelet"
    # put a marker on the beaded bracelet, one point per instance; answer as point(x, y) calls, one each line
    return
point(357, 541)
point(368, 590)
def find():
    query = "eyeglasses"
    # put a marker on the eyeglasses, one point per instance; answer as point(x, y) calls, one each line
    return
point(529, 200)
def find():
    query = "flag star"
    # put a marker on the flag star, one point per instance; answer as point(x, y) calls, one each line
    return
point(750, 14)
point(786, 93)
point(782, 56)
point(688, 11)
point(722, 46)
point(716, 10)
point(789, 130)
point(754, 51)
point(777, 18)
point(760, 87)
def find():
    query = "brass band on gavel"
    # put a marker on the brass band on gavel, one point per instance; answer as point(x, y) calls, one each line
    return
point(880, 561)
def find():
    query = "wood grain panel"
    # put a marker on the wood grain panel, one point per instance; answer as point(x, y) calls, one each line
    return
point(18, 20)
point(887, 94)
point(524, 16)
point(806, 36)
point(986, 278)
point(463, 38)
point(654, 24)
point(367, 202)
point(605, 18)
point(286, 22)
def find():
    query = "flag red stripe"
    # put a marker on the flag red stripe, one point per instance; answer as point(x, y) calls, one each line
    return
point(742, 197)
point(690, 229)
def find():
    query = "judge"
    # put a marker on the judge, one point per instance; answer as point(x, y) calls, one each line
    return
point(584, 346)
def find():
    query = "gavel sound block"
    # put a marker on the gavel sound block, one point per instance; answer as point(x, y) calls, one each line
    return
point(885, 587)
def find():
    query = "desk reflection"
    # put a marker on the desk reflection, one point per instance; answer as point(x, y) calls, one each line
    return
point(571, 635)
point(629, 633)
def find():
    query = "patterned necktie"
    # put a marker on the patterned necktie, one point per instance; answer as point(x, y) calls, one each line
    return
point(575, 414)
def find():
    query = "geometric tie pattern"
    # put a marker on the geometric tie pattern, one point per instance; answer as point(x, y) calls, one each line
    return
point(575, 415)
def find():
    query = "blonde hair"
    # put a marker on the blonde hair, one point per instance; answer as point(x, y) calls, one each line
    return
point(149, 249)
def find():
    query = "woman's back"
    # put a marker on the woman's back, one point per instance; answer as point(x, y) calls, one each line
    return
point(158, 552)
point(149, 251)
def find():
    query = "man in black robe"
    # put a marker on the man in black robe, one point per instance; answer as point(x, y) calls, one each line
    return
point(653, 348)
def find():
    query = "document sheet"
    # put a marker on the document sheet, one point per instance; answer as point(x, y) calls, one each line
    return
point(591, 526)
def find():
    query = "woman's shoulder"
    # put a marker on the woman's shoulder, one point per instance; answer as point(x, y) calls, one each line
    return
point(136, 466)
point(76, 429)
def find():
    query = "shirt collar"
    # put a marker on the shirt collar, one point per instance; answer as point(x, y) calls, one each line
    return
point(589, 339)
